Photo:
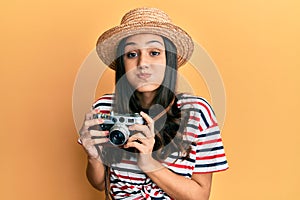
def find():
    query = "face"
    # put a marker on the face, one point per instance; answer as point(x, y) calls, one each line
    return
point(145, 61)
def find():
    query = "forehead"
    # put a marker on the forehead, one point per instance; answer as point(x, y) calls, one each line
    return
point(144, 40)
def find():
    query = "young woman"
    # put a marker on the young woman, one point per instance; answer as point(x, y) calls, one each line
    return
point(173, 154)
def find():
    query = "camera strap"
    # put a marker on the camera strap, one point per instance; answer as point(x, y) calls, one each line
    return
point(164, 111)
point(107, 183)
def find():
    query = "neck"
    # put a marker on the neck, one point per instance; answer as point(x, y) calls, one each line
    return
point(146, 99)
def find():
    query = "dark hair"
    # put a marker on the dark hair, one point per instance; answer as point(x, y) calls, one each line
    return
point(126, 100)
point(169, 128)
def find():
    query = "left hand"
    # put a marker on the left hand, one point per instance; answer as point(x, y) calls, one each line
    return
point(143, 139)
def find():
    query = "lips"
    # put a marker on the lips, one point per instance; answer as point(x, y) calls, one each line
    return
point(143, 76)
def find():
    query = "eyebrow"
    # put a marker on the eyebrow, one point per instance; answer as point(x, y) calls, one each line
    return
point(149, 42)
point(154, 41)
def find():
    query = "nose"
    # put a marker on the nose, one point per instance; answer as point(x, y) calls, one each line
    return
point(143, 61)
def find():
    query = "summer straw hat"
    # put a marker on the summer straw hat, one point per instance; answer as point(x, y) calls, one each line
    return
point(144, 20)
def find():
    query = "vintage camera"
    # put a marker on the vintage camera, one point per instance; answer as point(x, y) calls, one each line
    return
point(117, 125)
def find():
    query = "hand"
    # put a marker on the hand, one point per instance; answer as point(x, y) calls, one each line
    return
point(143, 139)
point(91, 140)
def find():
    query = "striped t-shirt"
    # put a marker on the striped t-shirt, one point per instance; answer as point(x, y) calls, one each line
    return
point(207, 153)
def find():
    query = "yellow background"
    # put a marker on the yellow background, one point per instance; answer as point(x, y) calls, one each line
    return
point(255, 45)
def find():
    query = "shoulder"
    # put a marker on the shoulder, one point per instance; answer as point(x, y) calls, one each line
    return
point(186, 101)
point(104, 103)
point(198, 108)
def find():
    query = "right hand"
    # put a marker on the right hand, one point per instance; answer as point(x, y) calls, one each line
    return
point(92, 140)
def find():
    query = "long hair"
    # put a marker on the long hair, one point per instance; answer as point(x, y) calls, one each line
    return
point(169, 128)
point(126, 99)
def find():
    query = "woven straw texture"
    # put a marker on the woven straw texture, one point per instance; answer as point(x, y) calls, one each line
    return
point(144, 20)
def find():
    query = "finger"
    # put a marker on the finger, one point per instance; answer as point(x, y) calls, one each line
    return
point(93, 122)
point(136, 137)
point(141, 147)
point(138, 146)
point(97, 133)
point(99, 137)
point(90, 115)
point(142, 128)
point(88, 140)
point(148, 119)
point(100, 140)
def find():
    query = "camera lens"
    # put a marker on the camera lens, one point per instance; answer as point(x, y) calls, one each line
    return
point(119, 134)
point(117, 137)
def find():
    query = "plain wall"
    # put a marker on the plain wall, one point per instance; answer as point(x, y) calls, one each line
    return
point(255, 45)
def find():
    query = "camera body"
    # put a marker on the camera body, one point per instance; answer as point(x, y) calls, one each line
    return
point(117, 125)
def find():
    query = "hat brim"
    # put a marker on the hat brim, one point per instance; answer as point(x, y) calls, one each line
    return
point(107, 43)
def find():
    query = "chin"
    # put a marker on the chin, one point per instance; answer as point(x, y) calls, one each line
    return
point(147, 88)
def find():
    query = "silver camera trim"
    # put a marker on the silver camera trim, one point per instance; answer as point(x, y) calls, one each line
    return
point(120, 123)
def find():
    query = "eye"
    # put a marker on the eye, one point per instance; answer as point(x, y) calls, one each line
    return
point(131, 54)
point(154, 53)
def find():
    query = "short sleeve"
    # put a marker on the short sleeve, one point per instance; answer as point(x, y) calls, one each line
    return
point(104, 104)
point(204, 131)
